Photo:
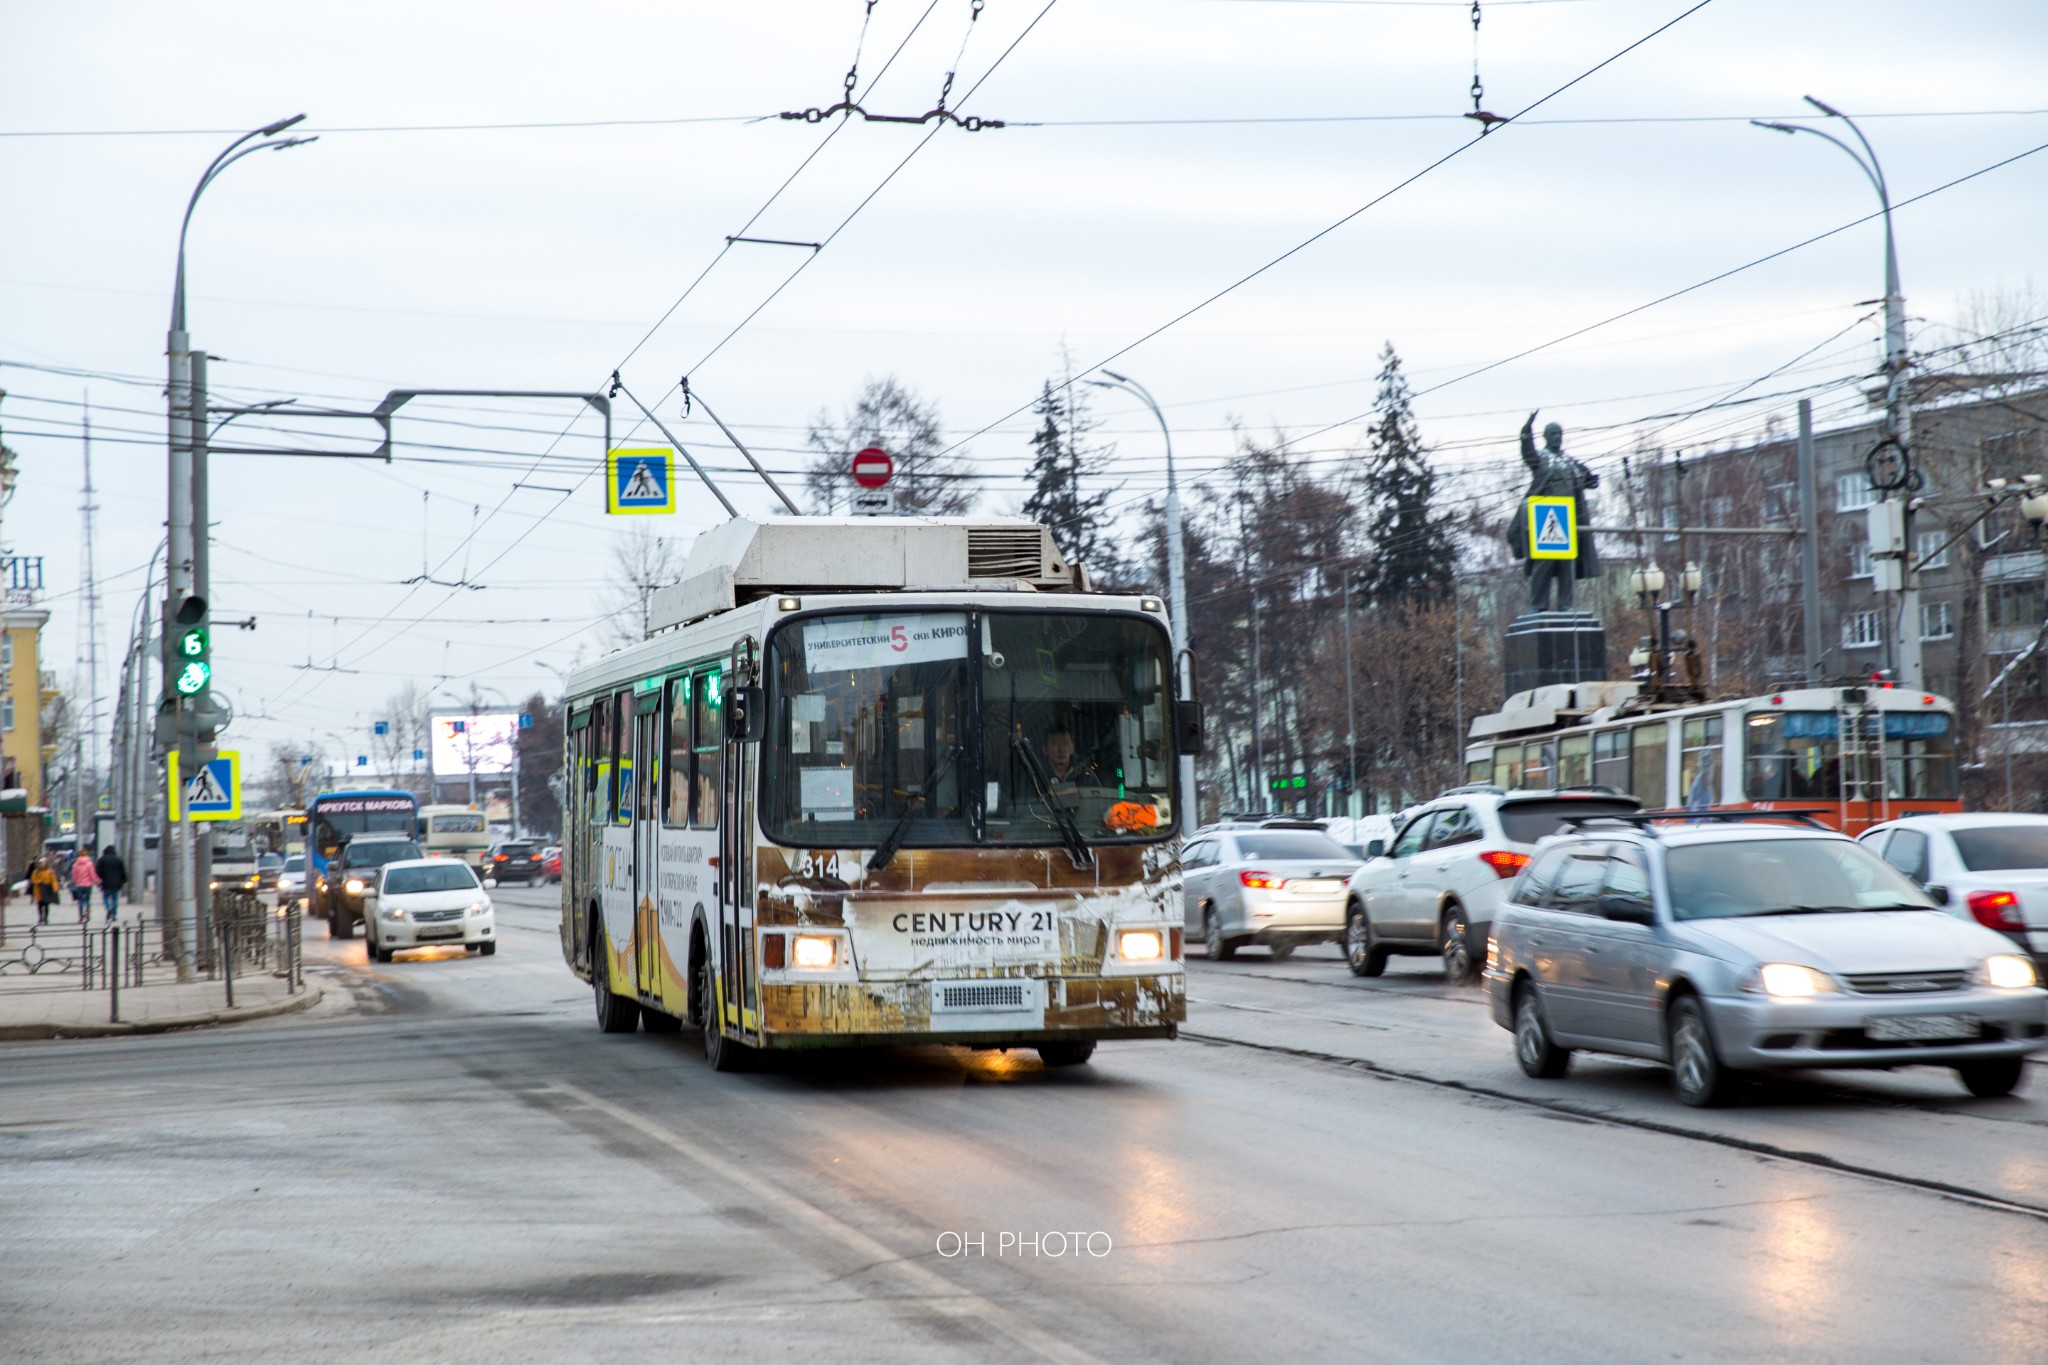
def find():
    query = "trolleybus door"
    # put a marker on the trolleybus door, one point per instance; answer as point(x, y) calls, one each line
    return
point(647, 735)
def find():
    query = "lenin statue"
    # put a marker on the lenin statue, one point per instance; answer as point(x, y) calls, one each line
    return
point(1553, 474)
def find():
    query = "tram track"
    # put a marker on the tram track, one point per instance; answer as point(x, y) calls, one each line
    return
point(1961, 1194)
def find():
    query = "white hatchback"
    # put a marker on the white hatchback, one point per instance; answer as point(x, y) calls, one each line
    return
point(427, 901)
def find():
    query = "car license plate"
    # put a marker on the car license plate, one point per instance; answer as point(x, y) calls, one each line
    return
point(1906, 1028)
point(1322, 887)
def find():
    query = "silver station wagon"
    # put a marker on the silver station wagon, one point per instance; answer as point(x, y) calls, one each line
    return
point(1724, 945)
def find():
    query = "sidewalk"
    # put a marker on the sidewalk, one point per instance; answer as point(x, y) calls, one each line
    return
point(45, 972)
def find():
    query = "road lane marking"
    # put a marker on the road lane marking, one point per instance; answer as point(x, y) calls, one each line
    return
point(951, 1297)
point(1960, 1194)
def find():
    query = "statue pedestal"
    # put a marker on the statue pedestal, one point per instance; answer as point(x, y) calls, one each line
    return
point(1547, 648)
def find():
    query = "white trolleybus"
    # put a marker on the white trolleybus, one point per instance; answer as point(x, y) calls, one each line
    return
point(880, 780)
point(1857, 755)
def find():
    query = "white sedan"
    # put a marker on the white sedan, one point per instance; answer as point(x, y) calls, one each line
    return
point(426, 901)
point(1989, 868)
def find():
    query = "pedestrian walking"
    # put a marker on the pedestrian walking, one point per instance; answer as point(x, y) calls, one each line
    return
point(113, 879)
point(84, 877)
point(42, 888)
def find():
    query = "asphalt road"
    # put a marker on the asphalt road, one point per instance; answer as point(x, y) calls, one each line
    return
point(446, 1161)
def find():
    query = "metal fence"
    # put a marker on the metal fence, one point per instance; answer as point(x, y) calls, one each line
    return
point(242, 937)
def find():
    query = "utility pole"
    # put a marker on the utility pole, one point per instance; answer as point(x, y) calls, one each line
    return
point(1350, 711)
point(1809, 544)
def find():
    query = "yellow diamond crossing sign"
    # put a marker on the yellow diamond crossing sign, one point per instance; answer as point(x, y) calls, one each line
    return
point(1553, 528)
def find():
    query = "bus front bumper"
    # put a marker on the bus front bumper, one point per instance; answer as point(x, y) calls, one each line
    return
point(972, 1011)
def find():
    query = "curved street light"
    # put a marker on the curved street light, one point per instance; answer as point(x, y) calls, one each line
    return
point(1898, 411)
point(1176, 572)
point(182, 873)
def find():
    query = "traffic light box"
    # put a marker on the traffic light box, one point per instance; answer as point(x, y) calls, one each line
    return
point(189, 671)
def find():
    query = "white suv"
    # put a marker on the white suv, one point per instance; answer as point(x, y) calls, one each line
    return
point(1434, 891)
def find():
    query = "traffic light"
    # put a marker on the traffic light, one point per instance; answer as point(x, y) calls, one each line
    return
point(191, 664)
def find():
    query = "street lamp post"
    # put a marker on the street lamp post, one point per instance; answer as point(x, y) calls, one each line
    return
point(1898, 410)
point(186, 528)
point(1176, 575)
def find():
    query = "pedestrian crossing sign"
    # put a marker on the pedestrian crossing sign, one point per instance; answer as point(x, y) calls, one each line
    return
point(212, 793)
point(640, 481)
point(1553, 528)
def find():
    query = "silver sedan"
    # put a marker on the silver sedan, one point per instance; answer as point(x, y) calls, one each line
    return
point(1721, 949)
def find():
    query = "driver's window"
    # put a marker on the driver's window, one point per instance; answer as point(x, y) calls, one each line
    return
point(1410, 842)
point(1455, 825)
point(1579, 880)
point(1907, 851)
point(1626, 876)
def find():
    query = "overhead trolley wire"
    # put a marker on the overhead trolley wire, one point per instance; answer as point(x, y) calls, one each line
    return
point(1376, 200)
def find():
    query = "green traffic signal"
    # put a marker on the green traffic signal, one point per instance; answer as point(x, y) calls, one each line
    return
point(189, 670)
point(193, 678)
point(192, 644)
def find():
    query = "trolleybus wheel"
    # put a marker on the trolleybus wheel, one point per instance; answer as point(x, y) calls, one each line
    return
point(720, 1051)
point(614, 1014)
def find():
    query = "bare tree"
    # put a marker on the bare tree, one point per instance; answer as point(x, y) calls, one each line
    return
point(641, 562)
point(887, 414)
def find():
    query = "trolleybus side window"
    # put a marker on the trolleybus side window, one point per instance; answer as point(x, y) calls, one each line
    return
point(1791, 756)
point(675, 805)
point(1919, 756)
point(1699, 769)
point(1507, 767)
point(1649, 753)
point(1610, 759)
point(707, 752)
point(1539, 762)
point(619, 711)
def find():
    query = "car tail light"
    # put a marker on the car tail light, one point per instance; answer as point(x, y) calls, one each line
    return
point(1996, 909)
point(772, 949)
point(1262, 881)
point(502, 858)
point(1504, 864)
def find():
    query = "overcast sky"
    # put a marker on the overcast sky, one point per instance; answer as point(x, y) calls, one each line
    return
point(1158, 151)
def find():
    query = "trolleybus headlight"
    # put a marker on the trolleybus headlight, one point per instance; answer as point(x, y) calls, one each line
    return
point(813, 950)
point(1140, 945)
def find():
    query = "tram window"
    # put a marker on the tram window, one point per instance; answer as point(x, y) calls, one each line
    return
point(1791, 756)
point(1648, 763)
point(1574, 760)
point(1699, 766)
point(707, 755)
point(675, 768)
point(1507, 767)
point(1610, 759)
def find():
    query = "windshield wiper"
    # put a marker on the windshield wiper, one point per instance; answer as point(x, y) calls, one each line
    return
point(1070, 829)
point(886, 850)
point(1811, 910)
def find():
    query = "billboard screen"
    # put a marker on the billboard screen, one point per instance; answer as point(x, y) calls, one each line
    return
point(463, 744)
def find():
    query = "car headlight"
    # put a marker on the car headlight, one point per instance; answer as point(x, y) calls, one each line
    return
point(394, 912)
point(353, 886)
point(2007, 970)
point(213, 886)
point(479, 908)
point(1788, 981)
point(1139, 945)
point(813, 950)
point(249, 885)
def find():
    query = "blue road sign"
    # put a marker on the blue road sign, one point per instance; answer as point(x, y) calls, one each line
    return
point(382, 727)
point(1553, 529)
point(525, 720)
point(212, 793)
point(640, 481)
point(418, 754)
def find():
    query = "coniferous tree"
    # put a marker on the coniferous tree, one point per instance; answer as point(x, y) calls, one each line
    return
point(1062, 468)
point(1413, 551)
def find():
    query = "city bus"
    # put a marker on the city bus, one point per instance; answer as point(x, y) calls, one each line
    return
point(454, 831)
point(1856, 754)
point(336, 816)
point(880, 780)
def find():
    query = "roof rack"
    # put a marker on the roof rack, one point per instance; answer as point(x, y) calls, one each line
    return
point(1644, 819)
point(1470, 788)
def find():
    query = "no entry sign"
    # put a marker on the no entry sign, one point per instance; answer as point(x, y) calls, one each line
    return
point(872, 467)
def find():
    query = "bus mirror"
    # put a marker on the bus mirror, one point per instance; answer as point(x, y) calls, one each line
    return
point(1187, 718)
point(746, 717)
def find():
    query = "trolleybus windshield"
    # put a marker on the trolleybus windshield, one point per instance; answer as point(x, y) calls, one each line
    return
point(967, 728)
